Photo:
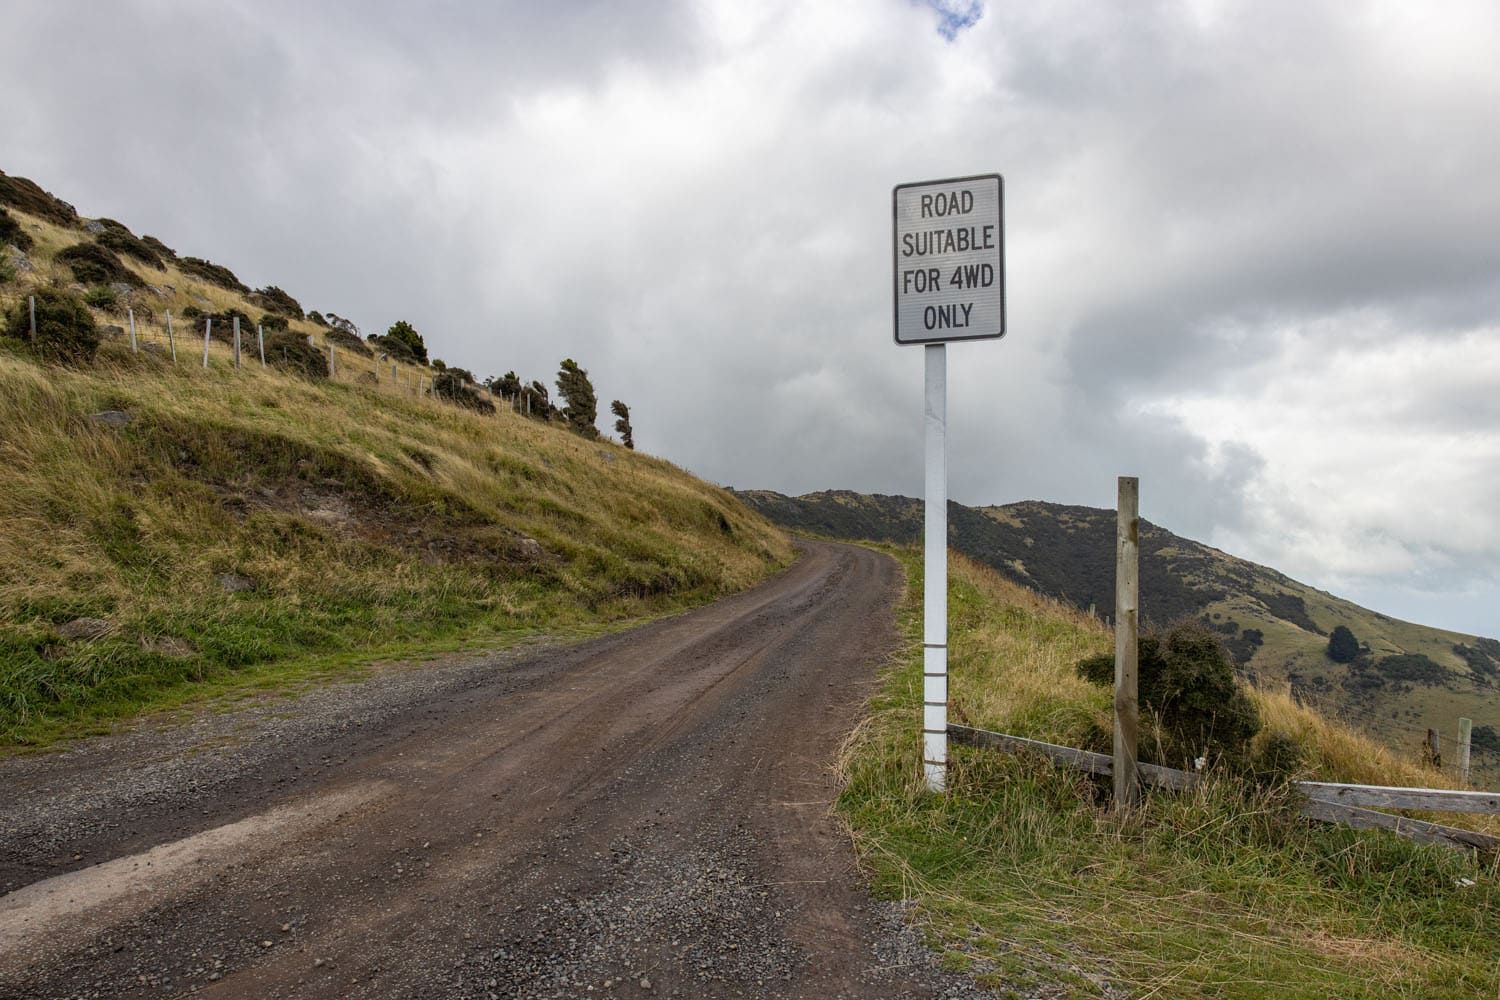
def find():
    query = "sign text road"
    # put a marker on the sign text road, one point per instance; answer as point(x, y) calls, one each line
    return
point(949, 257)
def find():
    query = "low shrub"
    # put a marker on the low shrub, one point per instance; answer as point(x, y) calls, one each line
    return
point(272, 321)
point(451, 387)
point(93, 264)
point(13, 232)
point(1412, 667)
point(121, 240)
point(65, 329)
point(102, 297)
point(317, 317)
point(1185, 680)
point(215, 274)
point(162, 250)
point(290, 351)
point(273, 299)
point(346, 341)
point(28, 196)
point(396, 350)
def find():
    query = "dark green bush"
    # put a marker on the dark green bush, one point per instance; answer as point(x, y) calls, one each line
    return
point(26, 195)
point(397, 350)
point(13, 232)
point(93, 264)
point(346, 341)
point(407, 335)
point(273, 299)
point(450, 386)
point(1185, 680)
point(162, 250)
point(102, 297)
point(317, 317)
point(121, 240)
point(65, 330)
point(216, 274)
point(1343, 647)
point(1414, 667)
point(271, 321)
point(290, 351)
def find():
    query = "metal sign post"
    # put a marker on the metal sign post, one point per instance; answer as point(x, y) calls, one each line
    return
point(948, 258)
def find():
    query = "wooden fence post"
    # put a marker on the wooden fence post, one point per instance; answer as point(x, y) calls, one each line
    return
point(236, 342)
point(1465, 734)
point(330, 361)
point(134, 344)
point(1434, 749)
point(31, 304)
point(171, 337)
point(1127, 611)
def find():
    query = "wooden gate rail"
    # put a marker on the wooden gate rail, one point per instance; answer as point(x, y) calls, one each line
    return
point(1325, 801)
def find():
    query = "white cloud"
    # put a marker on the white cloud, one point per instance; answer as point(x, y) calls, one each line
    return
point(1250, 246)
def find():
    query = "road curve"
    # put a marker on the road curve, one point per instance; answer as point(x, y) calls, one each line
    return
point(645, 814)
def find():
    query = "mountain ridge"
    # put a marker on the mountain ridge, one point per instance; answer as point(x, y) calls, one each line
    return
point(1405, 678)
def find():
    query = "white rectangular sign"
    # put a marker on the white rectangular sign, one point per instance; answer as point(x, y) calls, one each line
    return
point(949, 256)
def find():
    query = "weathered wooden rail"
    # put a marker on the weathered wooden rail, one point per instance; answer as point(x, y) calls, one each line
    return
point(1324, 801)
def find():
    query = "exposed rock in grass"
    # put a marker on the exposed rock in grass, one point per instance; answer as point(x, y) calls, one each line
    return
point(234, 583)
point(84, 629)
point(111, 418)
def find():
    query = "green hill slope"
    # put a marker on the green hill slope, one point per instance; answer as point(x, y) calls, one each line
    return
point(168, 529)
point(1406, 678)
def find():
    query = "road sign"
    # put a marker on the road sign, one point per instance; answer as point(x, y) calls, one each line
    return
point(949, 259)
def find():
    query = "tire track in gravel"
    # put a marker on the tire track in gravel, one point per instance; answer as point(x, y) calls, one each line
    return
point(645, 814)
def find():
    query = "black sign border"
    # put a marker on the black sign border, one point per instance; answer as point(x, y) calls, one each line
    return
point(896, 264)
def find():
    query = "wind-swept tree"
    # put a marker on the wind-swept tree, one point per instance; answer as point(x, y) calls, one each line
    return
point(622, 423)
point(582, 407)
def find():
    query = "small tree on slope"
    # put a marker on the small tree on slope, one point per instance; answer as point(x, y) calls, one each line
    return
point(577, 391)
point(622, 423)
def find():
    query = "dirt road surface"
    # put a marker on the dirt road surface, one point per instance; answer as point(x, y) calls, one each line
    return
point(642, 815)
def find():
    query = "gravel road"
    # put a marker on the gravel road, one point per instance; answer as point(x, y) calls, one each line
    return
point(645, 814)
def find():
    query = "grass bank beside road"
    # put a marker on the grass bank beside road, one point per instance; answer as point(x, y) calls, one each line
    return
point(1023, 875)
point(234, 526)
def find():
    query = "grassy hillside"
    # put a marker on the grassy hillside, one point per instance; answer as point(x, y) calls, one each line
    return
point(236, 525)
point(1022, 875)
point(1406, 678)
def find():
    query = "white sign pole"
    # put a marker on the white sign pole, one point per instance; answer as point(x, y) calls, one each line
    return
point(935, 573)
point(948, 263)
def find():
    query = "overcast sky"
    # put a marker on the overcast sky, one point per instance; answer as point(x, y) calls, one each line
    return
point(1253, 249)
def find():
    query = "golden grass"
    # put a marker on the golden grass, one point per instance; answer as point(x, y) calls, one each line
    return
point(1023, 875)
point(368, 515)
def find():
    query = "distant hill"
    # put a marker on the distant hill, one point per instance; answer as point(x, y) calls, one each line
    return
point(1405, 678)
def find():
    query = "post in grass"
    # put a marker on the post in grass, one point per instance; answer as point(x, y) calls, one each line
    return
point(134, 348)
point(1465, 737)
point(208, 329)
point(1127, 652)
point(236, 342)
point(260, 336)
point(331, 350)
point(171, 337)
point(31, 305)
